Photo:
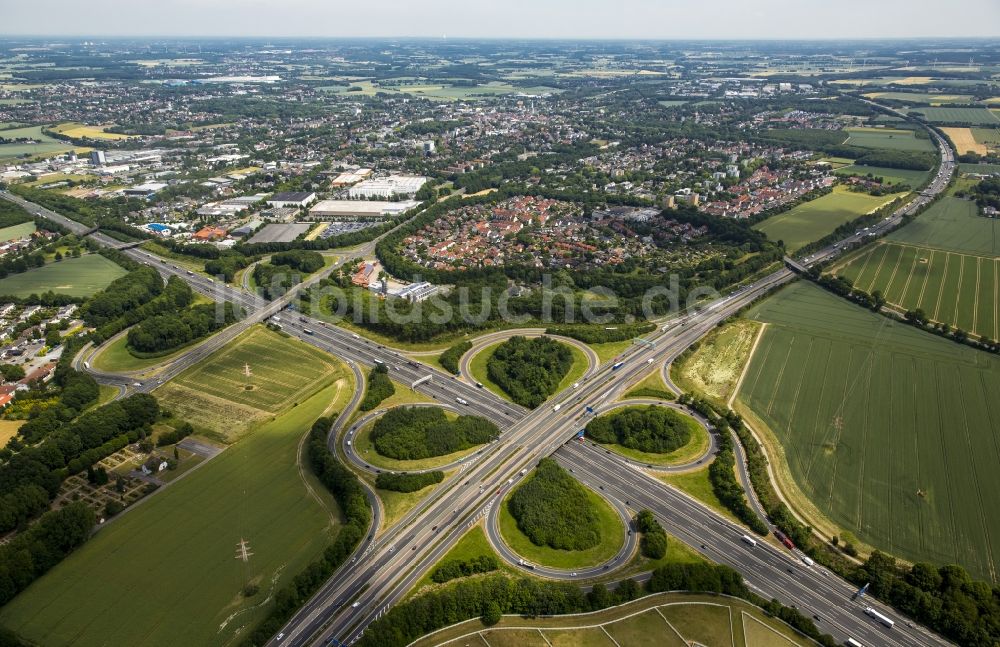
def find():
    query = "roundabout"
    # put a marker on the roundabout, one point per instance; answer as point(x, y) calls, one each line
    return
point(693, 455)
point(357, 438)
point(507, 539)
point(485, 342)
point(502, 532)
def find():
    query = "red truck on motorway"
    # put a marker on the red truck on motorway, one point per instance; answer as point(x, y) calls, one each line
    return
point(783, 538)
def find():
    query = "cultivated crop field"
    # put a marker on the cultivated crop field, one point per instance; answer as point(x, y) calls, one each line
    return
point(891, 433)
point(17, 232)
point(46, 145)
point(951, 224)
point(284, 372)
point(973, 116)
point(891, 175)
point(964, 141)
point(957, 289)
point(815, 219)
point(166, 573)
point(922, 97)
point(660, 620)
point(78, 277)
point(888, 138)
point(79, 131)
point(989, 137)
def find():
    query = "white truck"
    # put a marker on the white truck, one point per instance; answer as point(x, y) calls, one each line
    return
point(884, 619)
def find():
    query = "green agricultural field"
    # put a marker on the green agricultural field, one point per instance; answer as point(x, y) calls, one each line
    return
point(887, 138)
point(979, 168)
point(951, 224)
point(47, 145)
point(887, 431)
point(284, 372)
point(658, 620)
point(922, 97)
point(973, 116)
point(890, 175)
point(988, 136)
point(813, 220)
point(956, 289)
point(166, 573)
point(17, 232)
point(77, 277)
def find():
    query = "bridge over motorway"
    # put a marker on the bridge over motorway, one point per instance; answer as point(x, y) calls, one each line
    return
point(381, 573)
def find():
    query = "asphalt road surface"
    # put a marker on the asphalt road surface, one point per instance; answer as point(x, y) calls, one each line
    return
point(382, 571)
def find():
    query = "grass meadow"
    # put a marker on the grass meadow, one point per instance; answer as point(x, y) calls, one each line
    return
point(284, 373)
point(166, 573)
point(17, 232)
point(659, 620)
point(77, 277)
point(815, 219)
point(889, 432)
point(971, 116)
point(46, 145)
point(890, 175)
point(887, 138)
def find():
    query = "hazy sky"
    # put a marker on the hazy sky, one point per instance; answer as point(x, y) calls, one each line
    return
point(783, 19)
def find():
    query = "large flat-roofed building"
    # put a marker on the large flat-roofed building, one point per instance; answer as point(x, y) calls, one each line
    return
point(292, 199)
point(146, 190)
point(359, 209)
point(280, 233)
point(415, 291)
point(351, 177)
point(384, 187)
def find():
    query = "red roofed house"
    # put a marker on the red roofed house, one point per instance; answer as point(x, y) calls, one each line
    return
point(210, 233)
point(365, 274)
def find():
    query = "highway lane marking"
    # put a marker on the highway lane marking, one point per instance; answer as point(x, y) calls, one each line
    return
point(753, 556)
point(736, 563)
point(682, 512)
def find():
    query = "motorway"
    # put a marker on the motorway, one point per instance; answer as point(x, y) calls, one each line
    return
point(382, 571)
point(390, 571)
point(769, 571)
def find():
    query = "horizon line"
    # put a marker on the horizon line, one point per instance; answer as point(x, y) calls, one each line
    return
point(444, 38)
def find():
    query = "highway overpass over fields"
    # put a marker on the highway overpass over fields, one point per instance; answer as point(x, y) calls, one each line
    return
point(383, 570)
